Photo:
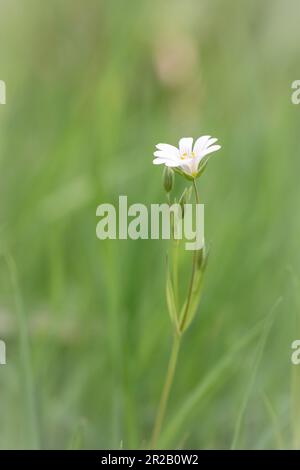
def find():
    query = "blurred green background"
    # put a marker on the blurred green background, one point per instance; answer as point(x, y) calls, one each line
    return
point(91, 87)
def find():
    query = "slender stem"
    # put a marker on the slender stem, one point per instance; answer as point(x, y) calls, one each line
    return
point(194, 268)
point(175, 349)
point(166, 390)
point(196, 192)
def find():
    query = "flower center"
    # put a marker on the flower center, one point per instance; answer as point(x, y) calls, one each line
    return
point(185, 155)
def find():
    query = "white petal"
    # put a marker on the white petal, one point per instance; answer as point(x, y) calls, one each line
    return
point(168, 149)
point(201, 143)
point(158, 161)
point(185, 145)
point(170, 163)
point(198, 158)
point(211, 149)
point(211, 141)
point(165, 155)
point(186, 168)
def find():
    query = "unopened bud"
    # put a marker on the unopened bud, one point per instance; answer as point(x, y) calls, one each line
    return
point(168, 179)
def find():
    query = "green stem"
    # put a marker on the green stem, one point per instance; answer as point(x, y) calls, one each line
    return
point(166, 390)
point(194, 269)
point(196, 192)
point(175, 348)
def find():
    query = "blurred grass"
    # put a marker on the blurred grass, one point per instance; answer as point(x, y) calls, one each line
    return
point(91, 87)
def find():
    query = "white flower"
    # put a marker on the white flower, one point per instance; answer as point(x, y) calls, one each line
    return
point(187, 158)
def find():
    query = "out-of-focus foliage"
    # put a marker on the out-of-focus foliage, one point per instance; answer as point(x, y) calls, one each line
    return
point(91, 87)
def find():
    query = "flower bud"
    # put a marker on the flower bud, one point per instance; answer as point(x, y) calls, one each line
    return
point(168, 179)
